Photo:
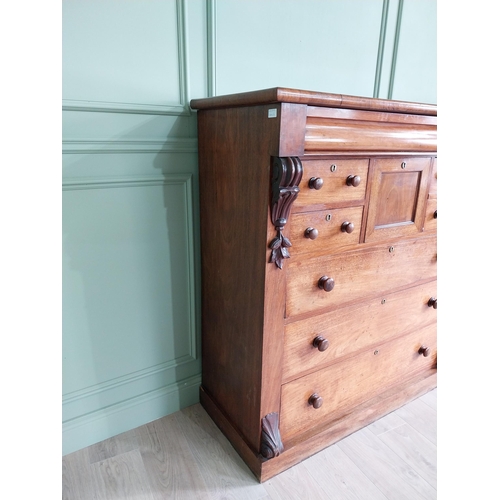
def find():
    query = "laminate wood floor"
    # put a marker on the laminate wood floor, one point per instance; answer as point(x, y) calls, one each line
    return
point(185, 456)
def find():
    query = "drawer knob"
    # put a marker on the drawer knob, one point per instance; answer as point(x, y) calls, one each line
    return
point(347, 227)
point(425, 351)
point(321, 343)
point(433, 302)
point(353, 180)
point(435, 215)
point(326, 283)
point(315, 183)
point(315, 400)
point(311, 233)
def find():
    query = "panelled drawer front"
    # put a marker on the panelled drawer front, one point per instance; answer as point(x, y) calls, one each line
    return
point(358, 274)
point(353, 381)
point(334, 189)
point(398, 197)
point(354, 328)
point(322, 232)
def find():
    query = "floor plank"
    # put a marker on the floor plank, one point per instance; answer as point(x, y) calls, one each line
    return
point(170, 467)
point(296, 482)
point(185, 456)
point(421, 417)
point(225, 474)
point(430, 399)
point(121, 477)
point(417, 451)
point(76, 476)
point(337, 474)
point(109, 448)
point(385, 469)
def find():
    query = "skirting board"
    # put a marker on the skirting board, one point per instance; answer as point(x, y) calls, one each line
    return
point(108, 422)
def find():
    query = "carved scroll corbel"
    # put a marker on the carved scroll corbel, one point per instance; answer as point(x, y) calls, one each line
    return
point(286, 177)
point(270, 442)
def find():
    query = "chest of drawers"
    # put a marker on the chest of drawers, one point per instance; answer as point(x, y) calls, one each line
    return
point(318, 217)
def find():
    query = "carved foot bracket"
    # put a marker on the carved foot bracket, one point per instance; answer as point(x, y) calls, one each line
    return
point(270, 442)
point(286, 177)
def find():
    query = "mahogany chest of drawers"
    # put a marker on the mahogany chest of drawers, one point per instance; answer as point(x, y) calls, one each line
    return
point(319, 266)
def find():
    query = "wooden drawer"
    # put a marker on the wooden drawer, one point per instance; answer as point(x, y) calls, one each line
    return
point(354, 380)
point(430, 222)
point(353, 328)
point(322, 232)
point(399, 188)
point(359, 274)
point(334, 191)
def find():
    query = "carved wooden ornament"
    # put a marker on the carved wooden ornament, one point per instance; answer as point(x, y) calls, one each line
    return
point(270, 443)
point(286, 177)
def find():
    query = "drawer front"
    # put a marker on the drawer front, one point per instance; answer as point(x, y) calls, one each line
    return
point(353, 381)
point(359, 274)
point(334, 190)
point(326, 231)
point(398, 195)
point(430, 223)
point(317, 342)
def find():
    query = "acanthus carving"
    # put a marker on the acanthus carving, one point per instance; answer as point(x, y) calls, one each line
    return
point(286, 177)
point(270, 443)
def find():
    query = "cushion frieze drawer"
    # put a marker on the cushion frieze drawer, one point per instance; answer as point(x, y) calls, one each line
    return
point(322, 282)
point(325, 231)
point(318, 341)
point(330, 393)
point(333, 182)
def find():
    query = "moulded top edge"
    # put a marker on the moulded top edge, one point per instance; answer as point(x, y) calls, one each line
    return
point(281, 94)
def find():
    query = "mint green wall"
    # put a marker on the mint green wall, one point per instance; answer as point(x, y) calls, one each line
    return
point(131, 341)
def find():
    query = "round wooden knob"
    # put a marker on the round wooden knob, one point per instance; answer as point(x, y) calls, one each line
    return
point(435, 215)
point(311, 233)
point(315, 400)
point(321, 343)
point(353, 180)
point(347, 227)
point(326, 283)
point(315, 183)
point(433, 302)
point(425, 351)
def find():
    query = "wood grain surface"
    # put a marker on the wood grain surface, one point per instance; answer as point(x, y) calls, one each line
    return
point(184, 455)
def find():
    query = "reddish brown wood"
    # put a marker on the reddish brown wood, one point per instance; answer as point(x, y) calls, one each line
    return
point(271, 445)
point(315, 400)
point(286, 95)
point(330, 237)
point(347, 227)
point(315, 183)
point(286, 368)
point(311, 233)
point(433, 302)
point(349, 382)
point(321, 343)
point(425, 351)
point(286, 177)
point(355, 328)
point(326, 283)
point(353, 180)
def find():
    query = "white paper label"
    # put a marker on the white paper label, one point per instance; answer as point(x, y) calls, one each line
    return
point(272, 113)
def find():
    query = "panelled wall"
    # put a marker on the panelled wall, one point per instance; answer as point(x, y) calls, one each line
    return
point(131, 278)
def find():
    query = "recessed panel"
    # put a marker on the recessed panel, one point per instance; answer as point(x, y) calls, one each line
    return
point(127, 303)
point(397, 198)
point(120, 52)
